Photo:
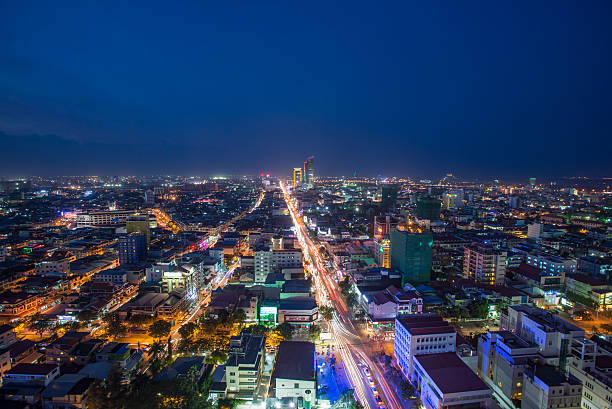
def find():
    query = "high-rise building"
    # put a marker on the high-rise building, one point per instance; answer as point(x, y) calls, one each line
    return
point(485, 264)
point(388, 196)
point(308, 176)
point(384, 225)
point(132, 248)
point(139, 223)
point(411, 255)
point(532, 182)
point(449, 201)
point(535, 230)
point(382, 244)
point(297, 176)
point(514, 202)
point(428, 208)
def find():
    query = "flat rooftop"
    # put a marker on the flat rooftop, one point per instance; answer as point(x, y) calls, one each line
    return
point(450, 373)
point(424, 324)
point(295, 360)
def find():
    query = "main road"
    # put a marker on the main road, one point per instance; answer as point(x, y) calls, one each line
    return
point(353, 348)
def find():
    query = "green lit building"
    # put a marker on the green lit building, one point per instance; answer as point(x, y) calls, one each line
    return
point(411, 255)
point(388, 196)
point(428, 208)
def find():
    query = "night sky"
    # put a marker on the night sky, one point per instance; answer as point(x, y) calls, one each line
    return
point(416, 88)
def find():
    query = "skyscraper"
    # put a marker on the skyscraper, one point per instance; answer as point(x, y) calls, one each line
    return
point(411, 255)
point(297, 176)
point(308, 176)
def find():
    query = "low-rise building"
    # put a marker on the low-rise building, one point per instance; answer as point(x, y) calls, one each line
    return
point(445, 381)
point(7, 335)
point(298, 311)
point(294, 379)
point(545, 387)
point(66, 392)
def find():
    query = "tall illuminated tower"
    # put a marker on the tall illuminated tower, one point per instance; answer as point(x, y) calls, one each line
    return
point(297, 176)
point(308, 176)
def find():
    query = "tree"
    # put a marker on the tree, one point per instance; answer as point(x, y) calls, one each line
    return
point(326, 312)
point(407, 390)
point(160, 329)
point(140, 320)
point(345, 286)
point(351, 299)
point(216, 357)
point(86, 315)
point(257, 329)
point(39, 324)
point(224, 317)
point(170, 349)
point(348, 398)
point(114, 326)
point(500, 307)
point(239, 316)
point(108, 394)
point(156, 349)
point(607, 328)
point(227, 403)
point(285, 331)
point(188, 330)
point(479, 309)
point(315, 332)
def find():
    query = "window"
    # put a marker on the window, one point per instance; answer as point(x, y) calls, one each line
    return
point(296, 385)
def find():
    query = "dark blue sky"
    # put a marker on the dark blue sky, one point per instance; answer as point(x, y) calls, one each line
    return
point(477, 88)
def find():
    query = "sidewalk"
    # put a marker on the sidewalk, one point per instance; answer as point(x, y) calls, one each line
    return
point(332, 382)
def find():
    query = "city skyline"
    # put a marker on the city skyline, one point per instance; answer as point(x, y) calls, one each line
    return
point(493, 90)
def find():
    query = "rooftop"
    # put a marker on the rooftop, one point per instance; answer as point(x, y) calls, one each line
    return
point(31, 369)
point(450, 373)
point(424, 324)
point(295, 360)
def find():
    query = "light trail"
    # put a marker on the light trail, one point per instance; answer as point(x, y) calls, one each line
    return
point(351, 346)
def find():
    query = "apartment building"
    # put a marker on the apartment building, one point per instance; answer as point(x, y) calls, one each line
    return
point(269, 261)
point(421, 334)
point(503, 358)
point(485, 264)
point(545, 387)
point(551, 334)
point(244, 365)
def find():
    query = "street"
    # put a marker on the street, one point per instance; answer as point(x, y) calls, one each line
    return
point(352, 347)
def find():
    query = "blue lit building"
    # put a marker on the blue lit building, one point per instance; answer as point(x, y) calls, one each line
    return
point(551, 263)
point(132, 248)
